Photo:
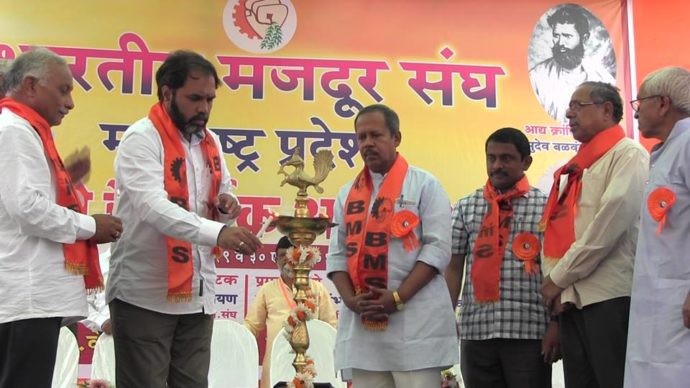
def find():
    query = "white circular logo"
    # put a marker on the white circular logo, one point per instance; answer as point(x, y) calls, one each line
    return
point(259, 26)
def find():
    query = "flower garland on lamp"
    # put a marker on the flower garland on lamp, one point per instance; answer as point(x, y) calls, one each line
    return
point(302, 229)
point(297, 261)
point(448, 379)
point(307, 256)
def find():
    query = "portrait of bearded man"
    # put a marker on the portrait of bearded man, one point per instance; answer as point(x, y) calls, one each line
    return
point(580, 49)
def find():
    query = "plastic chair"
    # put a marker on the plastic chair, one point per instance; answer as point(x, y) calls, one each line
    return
point(234, 356)
point(321, 349)
point(103, 362)
point(66, 369)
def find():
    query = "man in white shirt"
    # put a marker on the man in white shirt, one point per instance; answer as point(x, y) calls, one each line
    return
point(658, 353)
point(591, 220)
point(174, 197)
point(48, 253)
point(387, 257)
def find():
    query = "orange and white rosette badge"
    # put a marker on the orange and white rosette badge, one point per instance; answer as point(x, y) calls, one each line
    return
point(403, 225)
point(659, 203)
point(526, 247)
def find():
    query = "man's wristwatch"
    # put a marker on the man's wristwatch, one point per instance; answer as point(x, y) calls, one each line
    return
point(399, 305)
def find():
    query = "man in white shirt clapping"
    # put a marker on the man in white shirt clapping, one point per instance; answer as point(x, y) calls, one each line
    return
point(48, 253)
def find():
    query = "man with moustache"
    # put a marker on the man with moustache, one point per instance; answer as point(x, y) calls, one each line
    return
point(659, 335)
point(174, 197)
point(507, 339)
point(555, 79)
point(397, 329)
point(591, 221)
point(48, 245)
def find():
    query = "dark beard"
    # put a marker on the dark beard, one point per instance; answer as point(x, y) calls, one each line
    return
point(568, 58)
point(185, 126)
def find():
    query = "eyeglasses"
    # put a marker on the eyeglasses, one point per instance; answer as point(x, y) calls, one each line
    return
point(635, 104)
point(576, 106)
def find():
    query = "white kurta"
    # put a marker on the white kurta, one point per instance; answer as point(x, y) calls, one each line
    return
point(423, 335)
point(33, 280)
point(139, 261)
point(658, 353)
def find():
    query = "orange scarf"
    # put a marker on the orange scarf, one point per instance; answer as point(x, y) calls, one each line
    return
point(180, 265)
point(283, 289)
point(558, 221)
point(367, 238)
point(81, 257)
point(491, 240)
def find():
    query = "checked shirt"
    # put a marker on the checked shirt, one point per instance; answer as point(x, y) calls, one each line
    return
point(519, 313)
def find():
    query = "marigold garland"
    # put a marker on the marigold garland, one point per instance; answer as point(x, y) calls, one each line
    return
point(305, 379)
point(301, 314)
point(303, 311)
point(302, 256)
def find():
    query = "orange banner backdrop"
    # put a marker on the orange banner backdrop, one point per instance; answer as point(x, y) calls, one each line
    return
point(659, 29)
point(294, 74)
